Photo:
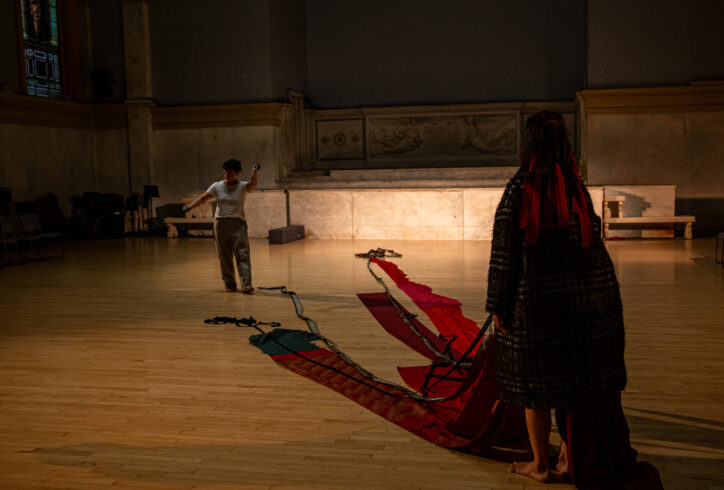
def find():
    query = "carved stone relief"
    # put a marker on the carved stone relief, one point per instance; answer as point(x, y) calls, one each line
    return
point(425, 136)
point(340, 139)
point(443, 136)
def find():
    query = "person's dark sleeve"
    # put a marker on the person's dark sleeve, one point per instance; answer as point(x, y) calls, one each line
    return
point(505, 257)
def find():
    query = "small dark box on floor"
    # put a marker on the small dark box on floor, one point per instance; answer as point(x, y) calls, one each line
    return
point(286, 234)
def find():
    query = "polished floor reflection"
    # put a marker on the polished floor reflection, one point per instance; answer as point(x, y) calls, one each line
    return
point(110, 378)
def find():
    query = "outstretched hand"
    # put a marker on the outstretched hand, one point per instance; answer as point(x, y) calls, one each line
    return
point(257, 165)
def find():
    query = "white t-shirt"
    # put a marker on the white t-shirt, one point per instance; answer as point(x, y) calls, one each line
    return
point(229, 199)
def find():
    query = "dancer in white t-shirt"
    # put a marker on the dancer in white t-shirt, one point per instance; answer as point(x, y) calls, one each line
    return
point(230, 230)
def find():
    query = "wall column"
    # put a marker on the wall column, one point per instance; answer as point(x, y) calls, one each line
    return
point(139, 93)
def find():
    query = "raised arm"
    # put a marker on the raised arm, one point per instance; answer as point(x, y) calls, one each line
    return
point(254, 178)
point(205, 197)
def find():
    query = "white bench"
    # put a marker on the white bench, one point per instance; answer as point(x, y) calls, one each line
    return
point(650, 222)
point(172, 222)
point(615, 211)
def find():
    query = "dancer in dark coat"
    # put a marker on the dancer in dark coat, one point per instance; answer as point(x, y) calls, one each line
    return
point(553, 293)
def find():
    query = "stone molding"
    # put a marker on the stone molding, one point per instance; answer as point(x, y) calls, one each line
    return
point(707, 97)
point(36, 111)
point(109, 116)
point(262, 114)
point(26, 110)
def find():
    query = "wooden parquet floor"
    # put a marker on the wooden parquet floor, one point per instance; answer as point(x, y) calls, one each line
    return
point(110, 379)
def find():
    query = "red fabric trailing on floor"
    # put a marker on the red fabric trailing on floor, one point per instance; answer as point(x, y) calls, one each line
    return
point(429, 421)
point(401, 410)
point(443, 312)
point(600, 455)
point(414, 377)
point(384, 311)
point(473, 420)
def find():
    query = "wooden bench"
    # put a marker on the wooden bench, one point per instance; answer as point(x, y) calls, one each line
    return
point(613, 206)
point(172, 222)
point(650, 222)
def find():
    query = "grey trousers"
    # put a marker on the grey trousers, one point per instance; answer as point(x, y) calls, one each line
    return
point(232, 241)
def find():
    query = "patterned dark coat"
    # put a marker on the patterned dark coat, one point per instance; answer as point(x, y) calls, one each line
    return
point(560, 303)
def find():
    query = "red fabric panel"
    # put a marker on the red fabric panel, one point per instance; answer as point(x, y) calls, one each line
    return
point(482, 398)
point(401, 410)
point(444, 312)
point(426, 420)
point(309, 353)
point(386, 314)
point(414, 377)
point(600, 455)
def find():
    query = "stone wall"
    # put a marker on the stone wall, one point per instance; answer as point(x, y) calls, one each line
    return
point(660, 136)
point(643, 137)
point(191, 143)
point(423, 136)
point(59, 147)
point(400, 214)
point(69, 148)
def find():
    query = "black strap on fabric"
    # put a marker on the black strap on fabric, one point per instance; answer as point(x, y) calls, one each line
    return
point(407, 317)
point(240, 322)
point(464, 357)
point(311, 324)
point(379, 252)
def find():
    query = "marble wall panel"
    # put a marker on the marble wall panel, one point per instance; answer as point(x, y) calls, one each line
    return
point(186, 159)
point(637, 149)
point(340, 139)
point(704, 142)
point(479, 207)
point(265, 210)
point(668, 138)
point(324, 214)
point(401, 214)
point(408, 214)
point(682, 149)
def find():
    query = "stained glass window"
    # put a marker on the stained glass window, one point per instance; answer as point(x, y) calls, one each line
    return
point(40, 35)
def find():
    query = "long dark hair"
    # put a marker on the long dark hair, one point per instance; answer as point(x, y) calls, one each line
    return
point(552, 185)
point(546, 139)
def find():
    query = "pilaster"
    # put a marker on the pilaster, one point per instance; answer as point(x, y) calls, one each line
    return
point(139, 93)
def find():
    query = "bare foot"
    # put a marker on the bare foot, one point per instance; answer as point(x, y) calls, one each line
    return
point(562, 465)
point(531, 470)
point(248, 291)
